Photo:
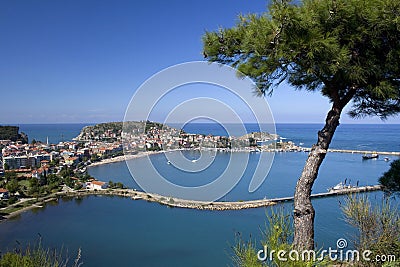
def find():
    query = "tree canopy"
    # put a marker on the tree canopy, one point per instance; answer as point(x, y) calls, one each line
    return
point(390, 180)
point(347, 49)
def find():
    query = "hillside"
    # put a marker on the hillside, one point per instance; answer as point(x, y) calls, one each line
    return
point(111, 131)
point(12, 133)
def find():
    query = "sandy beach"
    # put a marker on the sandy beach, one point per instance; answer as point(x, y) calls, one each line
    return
point(125, 157)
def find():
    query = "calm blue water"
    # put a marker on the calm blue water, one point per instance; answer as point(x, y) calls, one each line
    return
point(123, 232)
point(280, 181)
point(380, 137)
point(55, 132)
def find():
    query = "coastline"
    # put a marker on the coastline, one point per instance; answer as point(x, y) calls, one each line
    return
point(301, 149)
point(129, 157)
point(123, 158)
point(164, 200)
point(139, 195)
point(177, 202)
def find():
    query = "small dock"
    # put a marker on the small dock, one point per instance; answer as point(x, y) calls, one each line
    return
point(337, 192)
point(362, 152)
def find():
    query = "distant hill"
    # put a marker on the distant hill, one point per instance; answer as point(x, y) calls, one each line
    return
point(12, 133)
point(111, 131)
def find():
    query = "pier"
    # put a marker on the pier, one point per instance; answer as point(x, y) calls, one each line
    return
point(362, 152)
point(344, 191)
point(177, 202)
point(217, 205)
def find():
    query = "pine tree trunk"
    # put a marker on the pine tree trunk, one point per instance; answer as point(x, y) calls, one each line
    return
point(303, 208)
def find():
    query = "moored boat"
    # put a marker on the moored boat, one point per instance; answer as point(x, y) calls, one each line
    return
point(371, 156)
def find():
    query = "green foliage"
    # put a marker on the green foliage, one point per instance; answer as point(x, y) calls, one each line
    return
point(117, 185)
point(69, 182)
point(245, 254)
point(378, 227)
point(11, 133)
point(65, 172)
point(6, 167)
point(10, 175)
point(12, 200)
point(94, 158)
point(346, 49)
point(54, 162)
point(278, 235)
point(33, 187)
point(12, 186)
point(37, 256)
point(97, 131)
point(390, 180)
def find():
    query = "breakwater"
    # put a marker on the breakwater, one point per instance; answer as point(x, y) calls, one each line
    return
point(176, 202)
point(363, 152)
point(217, 205)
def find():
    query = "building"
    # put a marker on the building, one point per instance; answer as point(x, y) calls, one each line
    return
point(96, 185)
point(4, 193)
point(15, 162)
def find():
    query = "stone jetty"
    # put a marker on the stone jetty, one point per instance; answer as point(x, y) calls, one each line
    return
point(204, 205)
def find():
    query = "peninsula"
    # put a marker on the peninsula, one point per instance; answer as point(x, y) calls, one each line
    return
point(33, 174)
point(37, 172)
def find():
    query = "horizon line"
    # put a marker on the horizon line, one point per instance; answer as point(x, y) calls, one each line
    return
point(93, 123)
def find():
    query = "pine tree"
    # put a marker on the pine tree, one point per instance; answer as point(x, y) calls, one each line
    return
point(348, 50)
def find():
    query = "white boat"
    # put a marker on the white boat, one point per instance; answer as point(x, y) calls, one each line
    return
point(386, 159)
point(168, 162)
point(339, 186)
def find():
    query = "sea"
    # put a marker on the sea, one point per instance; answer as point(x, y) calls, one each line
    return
point(123, 232)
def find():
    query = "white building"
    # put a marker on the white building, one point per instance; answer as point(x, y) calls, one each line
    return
point(96, 185)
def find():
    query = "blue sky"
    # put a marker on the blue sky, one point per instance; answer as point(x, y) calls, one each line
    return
point(81, 61)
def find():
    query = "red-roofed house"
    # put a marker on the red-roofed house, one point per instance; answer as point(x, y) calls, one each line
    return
point(96, 185)
point(4, 193)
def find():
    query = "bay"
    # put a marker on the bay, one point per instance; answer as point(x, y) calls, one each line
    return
point(56, 132)
point(123, 232)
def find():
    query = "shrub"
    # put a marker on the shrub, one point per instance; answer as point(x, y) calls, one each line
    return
point(37, 256)
point(378, 227)
point(278, 235)
point(12, 200)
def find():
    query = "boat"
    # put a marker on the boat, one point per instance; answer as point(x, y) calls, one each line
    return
point(168, 162)
point(255, 150)
point(386, 159)
point(371, 156)
point(339, 186)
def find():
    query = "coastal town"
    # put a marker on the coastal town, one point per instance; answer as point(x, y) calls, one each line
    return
point(38, 169)
point(36, 172)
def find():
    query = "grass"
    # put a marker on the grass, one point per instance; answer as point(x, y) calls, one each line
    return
point(24, 183)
